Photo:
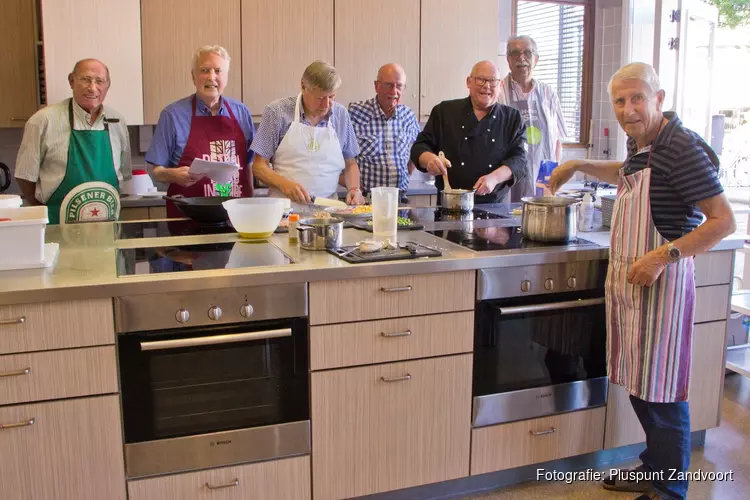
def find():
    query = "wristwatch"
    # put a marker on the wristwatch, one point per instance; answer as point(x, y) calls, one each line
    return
point(673, 253)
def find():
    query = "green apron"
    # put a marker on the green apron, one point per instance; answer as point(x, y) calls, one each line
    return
point(89, 192)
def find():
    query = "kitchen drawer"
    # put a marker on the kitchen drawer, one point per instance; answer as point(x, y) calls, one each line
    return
point(537, 440)
point(711, 303)
point(57, 374)
point(287, 479)
point(713, 268)
point(62, 450)
point(365, 343)
point(56, 325)
point(391, 297)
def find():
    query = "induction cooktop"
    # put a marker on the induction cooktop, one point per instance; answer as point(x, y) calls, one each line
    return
point(164, 229)
point(499, 238)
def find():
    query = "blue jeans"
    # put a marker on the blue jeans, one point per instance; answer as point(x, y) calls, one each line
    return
point(667, 428)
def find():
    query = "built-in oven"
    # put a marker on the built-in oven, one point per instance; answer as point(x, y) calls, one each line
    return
point(539, 342)
point(214, 377)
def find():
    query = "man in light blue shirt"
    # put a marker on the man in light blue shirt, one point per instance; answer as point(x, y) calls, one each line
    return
point(305, 142)
point(385, 131)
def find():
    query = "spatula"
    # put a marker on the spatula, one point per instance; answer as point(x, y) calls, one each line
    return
point(446, 183)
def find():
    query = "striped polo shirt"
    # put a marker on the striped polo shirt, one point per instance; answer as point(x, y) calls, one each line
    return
point(684, 171)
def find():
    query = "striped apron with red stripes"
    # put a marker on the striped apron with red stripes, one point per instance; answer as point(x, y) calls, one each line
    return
point(649, 329)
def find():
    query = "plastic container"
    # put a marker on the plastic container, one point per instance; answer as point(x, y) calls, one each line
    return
point(542, 178)
point(293, 235)
point(139, 183)
point(586, 214)
point(255, 218)
point(22, 236)
point(10, 201)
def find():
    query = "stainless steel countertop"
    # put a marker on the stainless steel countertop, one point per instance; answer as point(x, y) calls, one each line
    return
point(86, 266)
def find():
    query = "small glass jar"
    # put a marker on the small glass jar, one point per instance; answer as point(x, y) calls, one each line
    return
point(293, 235)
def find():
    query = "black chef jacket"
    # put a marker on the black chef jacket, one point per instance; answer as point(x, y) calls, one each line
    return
point(474, 148)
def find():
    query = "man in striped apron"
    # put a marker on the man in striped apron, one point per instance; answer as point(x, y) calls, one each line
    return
point(664, 188)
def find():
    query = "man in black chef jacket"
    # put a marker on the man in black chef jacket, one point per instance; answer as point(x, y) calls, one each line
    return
point(483, 141)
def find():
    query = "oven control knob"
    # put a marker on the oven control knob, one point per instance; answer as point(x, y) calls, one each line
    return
point(182, 315)
point(246, 310)
point(572, 282)
point(549, 285)
point(214, 313)
point(526, 286)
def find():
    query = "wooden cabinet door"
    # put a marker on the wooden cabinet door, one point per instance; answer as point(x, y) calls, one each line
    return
point(279, 40)
point(18, 90)
point(71, 451)
point(171, 33)
point(454, 37)
point(386, 427)
point(369, 34)
point(108, 31)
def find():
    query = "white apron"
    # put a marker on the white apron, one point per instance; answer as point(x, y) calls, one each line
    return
point(310, 156)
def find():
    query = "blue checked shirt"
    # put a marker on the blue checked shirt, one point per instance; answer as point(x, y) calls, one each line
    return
point(384, 143)
point(279, 115)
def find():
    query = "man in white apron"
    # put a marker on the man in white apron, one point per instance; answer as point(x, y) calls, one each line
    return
point(668, 182)
point(305, 142)
point(539, 107)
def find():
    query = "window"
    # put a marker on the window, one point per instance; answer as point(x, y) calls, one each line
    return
point(561, 30)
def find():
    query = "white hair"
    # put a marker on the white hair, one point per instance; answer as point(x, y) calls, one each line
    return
point(637, 71)
point(210, 49)
point(522, 38)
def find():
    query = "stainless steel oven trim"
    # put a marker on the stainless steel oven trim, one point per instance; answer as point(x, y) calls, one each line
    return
point(157, 345)
point(166, 456)
point(510, 406)
point(550, 306)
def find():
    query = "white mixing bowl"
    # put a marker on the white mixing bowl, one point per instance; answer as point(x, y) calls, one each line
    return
point(255, 218)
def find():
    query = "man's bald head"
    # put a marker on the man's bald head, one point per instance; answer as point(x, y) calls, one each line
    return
point(390, 86)
point(90, 83)
point(485, 68)
point(90, 61)
point(483, 85)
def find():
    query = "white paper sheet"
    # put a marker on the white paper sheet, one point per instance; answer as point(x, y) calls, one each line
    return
point(217, 171)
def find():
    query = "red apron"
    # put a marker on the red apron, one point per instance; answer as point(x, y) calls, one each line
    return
point(214, 138)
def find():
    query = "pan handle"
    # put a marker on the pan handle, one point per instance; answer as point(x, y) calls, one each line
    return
point(175, 199)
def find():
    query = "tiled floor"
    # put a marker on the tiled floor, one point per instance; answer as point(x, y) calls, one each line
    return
point(727, 449)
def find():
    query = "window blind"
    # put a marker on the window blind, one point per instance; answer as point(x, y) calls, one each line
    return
point(558, 32)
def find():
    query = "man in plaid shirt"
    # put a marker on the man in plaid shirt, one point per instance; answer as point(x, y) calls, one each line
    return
point(385, 132)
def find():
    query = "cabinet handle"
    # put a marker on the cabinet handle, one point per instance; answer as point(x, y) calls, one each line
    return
point(17, 321)
point(16, 373)
point(396, 334)
point(551, 430)
point(402, 378)
point(27, 423)
point(234, 483)
point(19, 118)
point(406, 288)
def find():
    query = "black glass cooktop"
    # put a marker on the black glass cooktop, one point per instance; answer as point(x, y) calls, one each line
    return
point(181, 258)
point(498, 238)
point(476, 214)
point(164, 229)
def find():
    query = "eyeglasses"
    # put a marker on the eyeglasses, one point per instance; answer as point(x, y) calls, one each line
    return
point(528, 54)
point(481, 81)
point(391, 86)
point(87, 81)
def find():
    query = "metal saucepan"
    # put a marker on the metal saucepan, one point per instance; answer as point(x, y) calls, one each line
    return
point(457, 200)
point(205, 209)
point(320, 233)
point(551, 219)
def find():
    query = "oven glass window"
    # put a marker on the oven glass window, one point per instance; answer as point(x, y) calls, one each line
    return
point(196, 390)
point(523, 351)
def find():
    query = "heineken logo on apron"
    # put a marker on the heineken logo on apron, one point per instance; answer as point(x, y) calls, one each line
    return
point(90, 202)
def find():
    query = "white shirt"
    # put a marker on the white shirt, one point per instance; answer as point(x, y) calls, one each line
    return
point(43, 155)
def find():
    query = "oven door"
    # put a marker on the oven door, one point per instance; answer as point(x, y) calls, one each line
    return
point(539, 355)
point(202, 397)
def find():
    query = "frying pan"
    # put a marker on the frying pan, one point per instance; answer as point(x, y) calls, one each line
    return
point(206, 209)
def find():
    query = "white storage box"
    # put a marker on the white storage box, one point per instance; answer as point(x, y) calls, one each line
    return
point(22, 237)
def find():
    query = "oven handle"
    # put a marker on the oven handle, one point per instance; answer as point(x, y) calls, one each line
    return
point(553, 306)
point(157, 345)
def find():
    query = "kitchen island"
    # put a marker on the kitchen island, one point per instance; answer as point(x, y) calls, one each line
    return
point(391, 351)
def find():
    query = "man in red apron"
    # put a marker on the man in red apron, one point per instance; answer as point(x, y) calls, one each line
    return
point(669, 181)
point(205, 125)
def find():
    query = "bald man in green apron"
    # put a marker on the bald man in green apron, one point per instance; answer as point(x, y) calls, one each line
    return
point(75, 153)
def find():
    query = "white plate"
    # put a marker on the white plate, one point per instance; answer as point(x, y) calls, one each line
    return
point(51, 250)
point(153, 193)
